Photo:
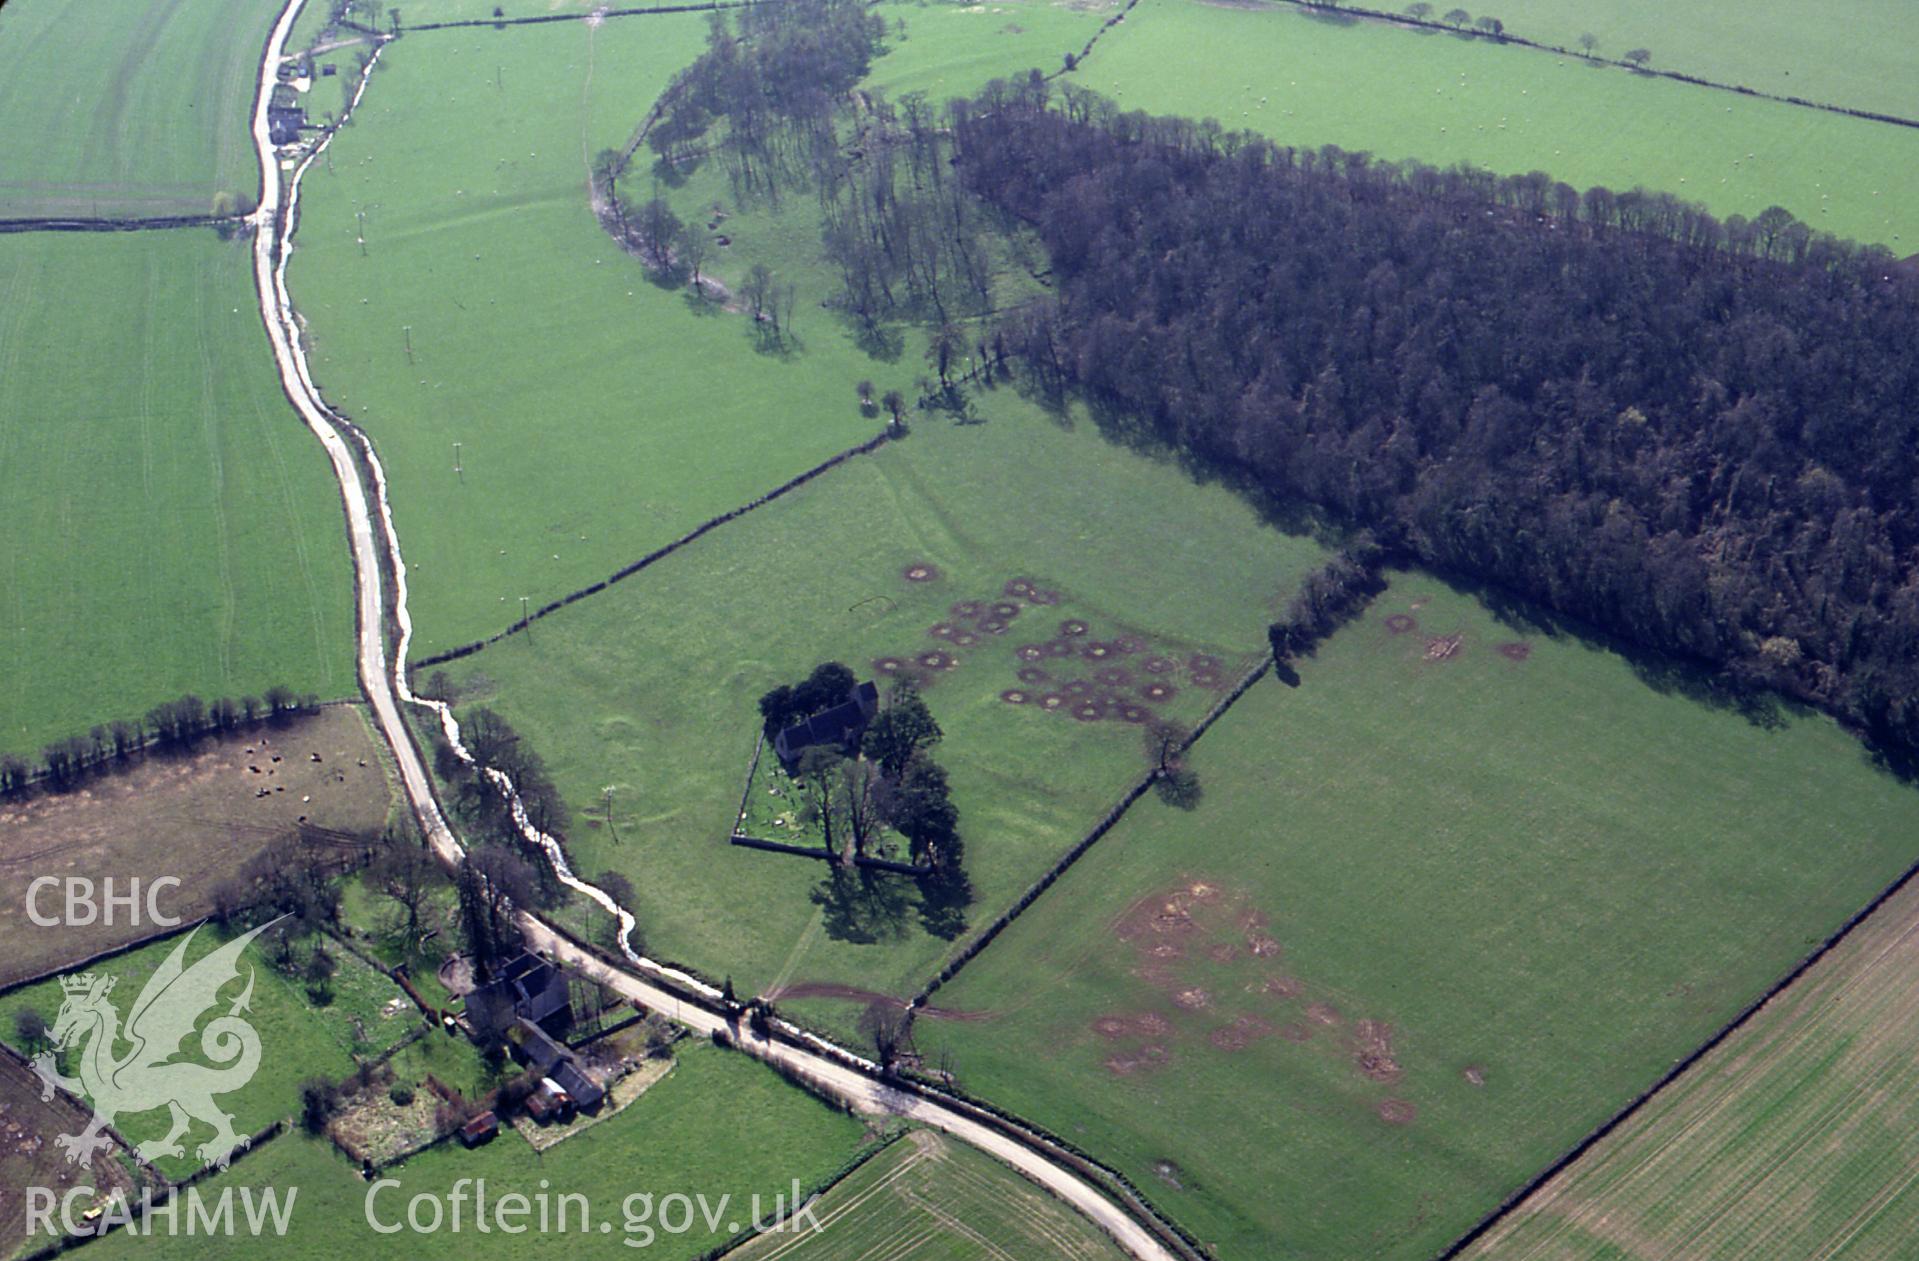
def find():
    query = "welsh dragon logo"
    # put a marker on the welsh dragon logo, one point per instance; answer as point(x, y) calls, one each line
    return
point(149, 1075)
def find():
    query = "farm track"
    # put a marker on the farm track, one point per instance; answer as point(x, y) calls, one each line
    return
point(375, 549)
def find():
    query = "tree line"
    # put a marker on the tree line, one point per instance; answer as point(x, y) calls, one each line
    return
point(177, 724)
point(1698, 434)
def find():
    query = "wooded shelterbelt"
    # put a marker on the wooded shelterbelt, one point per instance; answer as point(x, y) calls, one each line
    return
point(1697, 434)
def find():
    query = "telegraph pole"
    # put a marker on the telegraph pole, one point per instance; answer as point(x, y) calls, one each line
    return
point(458, 470)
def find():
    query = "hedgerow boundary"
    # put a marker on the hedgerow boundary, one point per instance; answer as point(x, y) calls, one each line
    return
point(1679, 1068)
point(85, 224)
point(1321, 8)
point(657, 554)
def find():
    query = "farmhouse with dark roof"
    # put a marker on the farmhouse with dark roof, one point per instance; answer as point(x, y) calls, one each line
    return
point(840, 727)
point(526, 988)
point(284, 123)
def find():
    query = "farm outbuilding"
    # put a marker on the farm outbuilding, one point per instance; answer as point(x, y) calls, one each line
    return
point(284, 123)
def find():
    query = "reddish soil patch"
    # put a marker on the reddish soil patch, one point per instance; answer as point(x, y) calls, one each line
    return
point(937, 660)
point(965, 639)
point(1401, 623)
point(1444, 647)
point(1114, 676)
point(1373, 1051)
point(1073, 628)
point(1297, 1031)
point(1159, 693)
point(1113, 1027)
point(921, 571)
point(1200, 663)
point(1514, 650)
point(1090, 711)
point(991, 626)
point(1006, 612)
point(1474, 1074)
point(1242, 1033)
point(1096, 651)
point(942, 630)
point(1128, 645)
point(1137, 1025)
point(1013, 696)
point(888, 665)
point(1032, 674)
point(1262, 946)
point(1222, 952)
point(1161, 665)
point(1053, 700)
point(966, 608)
point(1167, 950)
point(1031, 652)
point(1193, 998)
point(1060, 648)
point(1020, 588)
point(1324, 1013)
point(1201, 678)
point(1282, 987)
point(1397, 1112)
point(1136, 714)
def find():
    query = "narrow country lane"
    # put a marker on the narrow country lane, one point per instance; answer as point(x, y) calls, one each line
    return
point(833, 1070)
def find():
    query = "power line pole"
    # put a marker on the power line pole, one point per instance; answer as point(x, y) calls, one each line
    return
point(458, 471)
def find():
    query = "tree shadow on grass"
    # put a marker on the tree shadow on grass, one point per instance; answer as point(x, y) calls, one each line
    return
point(862, 907)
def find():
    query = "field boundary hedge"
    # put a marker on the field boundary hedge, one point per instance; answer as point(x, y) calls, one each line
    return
point(538, 19)
point(1679, 1067)
point(1680, 76)
point(85, 224)
point(659, 553)
point(1126, 802)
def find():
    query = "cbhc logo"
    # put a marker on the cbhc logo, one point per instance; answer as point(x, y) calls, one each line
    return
point(82, 909)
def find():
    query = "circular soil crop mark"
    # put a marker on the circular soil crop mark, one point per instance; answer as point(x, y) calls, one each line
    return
point(1296, 1032)
point(966, 608)
point(921, 571)
point(1262, 946)
point(1031, 652)
point(888, 665)
point(991, 626)
point(1059, 647)
point(964, 639)
point(1098, 650)
point(1203, 678)
point(1323, 1013)
point(1400, 623)
point(937, 660)
point(1090, 711)
point(1053, 700)
point(1033, 674)
point(1397, 1112)
point(1128, 645)
point(1222, 952)
point(1281, 987)
point(1161, 665)
point(1516, 650)
point(942, 630)
point(1138, 715)
point(1019, 588)
point(1114, 676)
point(1013, 696)
point(1073, 628)
point(1005, 612)
point(1474, 1074)
point(1112, 1026)
point(1077, 688)
point(1237, 1036)
point(1044, 597)
point(1159, 693)
point(1194, 999)
point(1201, 663)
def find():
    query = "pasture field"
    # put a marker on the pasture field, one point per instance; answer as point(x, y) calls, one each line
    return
point(1856, 53)
point(298, 1039)
point(718, 1125)
point(198, 818)
point(1436, 917)
point(928, 1198)
point(649, 688)
point(144, 112)
point(954, 49)
point(173, 527)
point(1443, 99)
point(1794, 1138)
point(597, 418)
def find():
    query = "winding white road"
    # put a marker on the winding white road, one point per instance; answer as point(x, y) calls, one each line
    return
point(376, 552)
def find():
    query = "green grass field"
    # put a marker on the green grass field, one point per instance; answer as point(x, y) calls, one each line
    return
point(173, 525)
point(298, 1039)
point(954, 49)
point(928, 1198)
point(649, 687)
point(1857, 53)
point(718, 1125)
point(598, 417)
point(1444, 99)
point(1433, 921)
point(141, 113)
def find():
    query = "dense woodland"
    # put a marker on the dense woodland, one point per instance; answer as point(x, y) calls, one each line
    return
point(1699, 435)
